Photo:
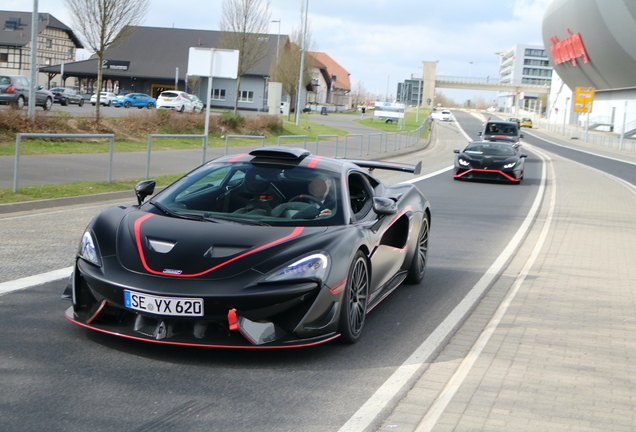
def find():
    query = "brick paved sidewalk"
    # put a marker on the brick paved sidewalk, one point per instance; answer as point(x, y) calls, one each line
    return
point(562, 357)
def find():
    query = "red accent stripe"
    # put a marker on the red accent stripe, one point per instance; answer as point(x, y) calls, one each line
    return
point(234, 159)
point(490, 171)
point(139, 221)
point(200, 345)
point(314, 161)
point(101, 307)
point(335, 289)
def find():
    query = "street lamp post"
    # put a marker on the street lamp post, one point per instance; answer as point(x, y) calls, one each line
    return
point(302, 66)
point(277, 39)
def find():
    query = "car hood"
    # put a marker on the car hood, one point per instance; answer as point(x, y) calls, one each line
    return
point(167, 246)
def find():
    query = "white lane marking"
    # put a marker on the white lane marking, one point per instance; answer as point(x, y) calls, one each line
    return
point(403, 375)
point(31, 281)
point(580, 151)
point(427, 176)
point(439, 406)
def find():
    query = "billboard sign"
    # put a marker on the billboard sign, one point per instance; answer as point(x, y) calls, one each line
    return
point(211, 62)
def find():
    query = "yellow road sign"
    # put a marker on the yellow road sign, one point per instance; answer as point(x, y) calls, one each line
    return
point(583, 99)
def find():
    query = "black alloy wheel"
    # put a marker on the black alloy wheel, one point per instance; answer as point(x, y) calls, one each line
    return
point(418, 265)
point(354, 301)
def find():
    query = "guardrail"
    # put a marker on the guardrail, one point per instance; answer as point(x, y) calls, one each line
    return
point(327, 136)
point(304, 137)
point(18, 141)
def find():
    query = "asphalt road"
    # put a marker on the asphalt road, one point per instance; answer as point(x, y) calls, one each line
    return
point(60, 377)
point(67, 378)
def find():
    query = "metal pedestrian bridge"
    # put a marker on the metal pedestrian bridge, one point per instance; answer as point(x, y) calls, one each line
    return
point(490, 84)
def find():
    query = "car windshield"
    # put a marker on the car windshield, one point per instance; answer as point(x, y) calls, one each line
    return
point(490, 149)
point(501, 129)
point(281, 195)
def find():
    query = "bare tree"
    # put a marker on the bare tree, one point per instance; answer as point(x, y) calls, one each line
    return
point(360, 93)
point(286, 70)
point(103, 24)
point(245, 26)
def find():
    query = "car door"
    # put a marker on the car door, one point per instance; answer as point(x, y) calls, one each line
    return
point(387, 235)
point(22, 87)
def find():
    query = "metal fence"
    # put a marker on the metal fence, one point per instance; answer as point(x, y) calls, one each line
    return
point(351, 142)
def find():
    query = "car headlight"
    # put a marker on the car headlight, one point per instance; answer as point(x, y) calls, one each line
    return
point(463, 162)
point(88, 250)
point(311, 267)
point(510, 165)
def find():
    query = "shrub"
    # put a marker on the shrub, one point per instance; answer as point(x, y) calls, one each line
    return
point(231, 121)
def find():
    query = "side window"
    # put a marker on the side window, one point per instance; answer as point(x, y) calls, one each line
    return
point(360, 195)
point(23, 82)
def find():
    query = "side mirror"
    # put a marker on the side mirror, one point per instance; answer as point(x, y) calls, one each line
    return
point(456, 151)
point(521, 136)
point(143, 189)
point(384, 206)
point(40, 87)
point(479, 133)
point(523, 155)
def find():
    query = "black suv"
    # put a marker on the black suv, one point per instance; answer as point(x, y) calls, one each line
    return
point(505, 131)
point(65, 96)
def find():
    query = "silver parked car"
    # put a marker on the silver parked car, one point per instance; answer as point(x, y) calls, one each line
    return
point(197, 103)
point(14, 90)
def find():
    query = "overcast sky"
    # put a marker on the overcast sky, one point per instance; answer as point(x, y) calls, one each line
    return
point(380, 42)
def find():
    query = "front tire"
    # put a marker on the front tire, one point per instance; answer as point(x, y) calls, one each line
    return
point(127, 105)
point(81, 103)
point(420, 258)
point(354, 300)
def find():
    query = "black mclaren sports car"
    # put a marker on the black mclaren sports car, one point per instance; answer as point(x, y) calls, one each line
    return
point(489, 160)
point(272, 249)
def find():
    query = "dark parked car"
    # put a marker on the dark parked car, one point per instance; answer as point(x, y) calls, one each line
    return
point(65, 96)
point(14, 90)
point(277, 248)
point(501, 131)
point(488, 160)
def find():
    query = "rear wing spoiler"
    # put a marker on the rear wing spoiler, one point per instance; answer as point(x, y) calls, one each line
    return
point(415, 169)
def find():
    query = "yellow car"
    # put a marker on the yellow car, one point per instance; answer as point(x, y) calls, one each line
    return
point(526, 122)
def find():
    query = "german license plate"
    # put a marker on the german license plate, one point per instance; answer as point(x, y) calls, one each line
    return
point(159, 305)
